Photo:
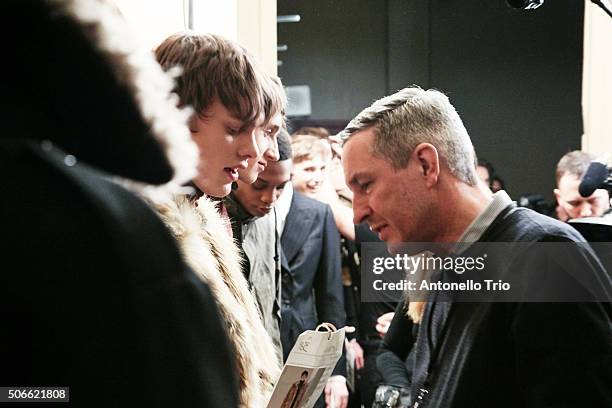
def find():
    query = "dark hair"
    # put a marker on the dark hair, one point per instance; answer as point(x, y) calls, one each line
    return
point(215, 67)
point(304, 372)
point(502, 184)
point(284, 145)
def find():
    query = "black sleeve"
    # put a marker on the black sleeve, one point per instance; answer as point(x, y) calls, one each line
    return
point(328, 282)
point(396, 345)
point(185, 346)
point(563, 349)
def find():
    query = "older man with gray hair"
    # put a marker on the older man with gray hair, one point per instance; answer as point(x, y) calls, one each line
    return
point(410, 163)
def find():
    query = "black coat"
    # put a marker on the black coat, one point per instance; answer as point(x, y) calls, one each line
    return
point(528, 354)
point(311, 276)
point(94, 294)
point(100, 299)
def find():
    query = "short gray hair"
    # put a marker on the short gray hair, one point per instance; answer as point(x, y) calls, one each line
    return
point(575, 163)
point(412, 116)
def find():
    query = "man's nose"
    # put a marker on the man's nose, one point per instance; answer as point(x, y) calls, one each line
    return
point(268, 197)
point(586, 210)
point(361, 210)
point(248, 147)
point(272, 154)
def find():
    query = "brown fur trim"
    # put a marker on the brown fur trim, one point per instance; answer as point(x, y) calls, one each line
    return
point(212, 254)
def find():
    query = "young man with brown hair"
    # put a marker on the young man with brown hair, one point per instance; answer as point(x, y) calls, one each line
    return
point(234, 103)
point(229, 93)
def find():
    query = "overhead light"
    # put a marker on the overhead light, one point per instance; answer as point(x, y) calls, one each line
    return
point(289, 18)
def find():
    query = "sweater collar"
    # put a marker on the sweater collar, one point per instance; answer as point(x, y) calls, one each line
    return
point(501, 201)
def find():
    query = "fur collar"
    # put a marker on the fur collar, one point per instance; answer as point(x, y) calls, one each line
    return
point(209, 250)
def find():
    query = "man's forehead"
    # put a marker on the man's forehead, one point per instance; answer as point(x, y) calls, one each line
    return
point(356, 156)
point(569, 188)
point(258, 121)
point(569, 183)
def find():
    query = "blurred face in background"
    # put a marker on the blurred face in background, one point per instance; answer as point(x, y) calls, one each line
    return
point(309, 174)
point(576, 206)
point(484, 175)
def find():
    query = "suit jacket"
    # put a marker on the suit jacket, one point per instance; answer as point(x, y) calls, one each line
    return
point(311, 275)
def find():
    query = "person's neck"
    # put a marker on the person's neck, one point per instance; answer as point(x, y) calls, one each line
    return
point(463, 203)
point(237, 210)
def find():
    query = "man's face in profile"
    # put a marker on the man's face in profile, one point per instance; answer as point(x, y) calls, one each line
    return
point(576, 206)
point(394, 202)
point(268, 145)
point(304, 377)
point(259, 198)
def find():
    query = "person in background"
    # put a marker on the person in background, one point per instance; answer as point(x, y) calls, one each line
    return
point(358, 315)
point(570, 204)
point(251, 210)
point(325, 179)
point(497, 184)
point(485, 171)
point(311, 275)
point(227, 88)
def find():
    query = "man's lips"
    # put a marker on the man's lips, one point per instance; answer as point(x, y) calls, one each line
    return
point(232, 173)
point(265, 210)
point(378, 228)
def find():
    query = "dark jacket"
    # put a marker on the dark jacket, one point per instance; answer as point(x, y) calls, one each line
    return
point(94, 294)
point(510, 354)
point(311, 277)
point(101, 300)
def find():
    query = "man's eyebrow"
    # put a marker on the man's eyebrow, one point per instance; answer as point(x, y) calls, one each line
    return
point(356, 177)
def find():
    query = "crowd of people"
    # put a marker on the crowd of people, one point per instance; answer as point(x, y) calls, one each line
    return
point(173, 238)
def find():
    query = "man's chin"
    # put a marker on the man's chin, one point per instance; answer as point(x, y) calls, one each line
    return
point(394, 247)
point(248, 178)
point(218, 192)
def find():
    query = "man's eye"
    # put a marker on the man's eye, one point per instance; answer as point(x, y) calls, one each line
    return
point(365, 186)
point(233, 131)
point(271, 131)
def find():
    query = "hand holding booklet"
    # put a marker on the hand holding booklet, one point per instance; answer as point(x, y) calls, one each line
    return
point(308, 368)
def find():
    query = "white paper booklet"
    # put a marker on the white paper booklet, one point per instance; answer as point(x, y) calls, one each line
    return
point(308, 368)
